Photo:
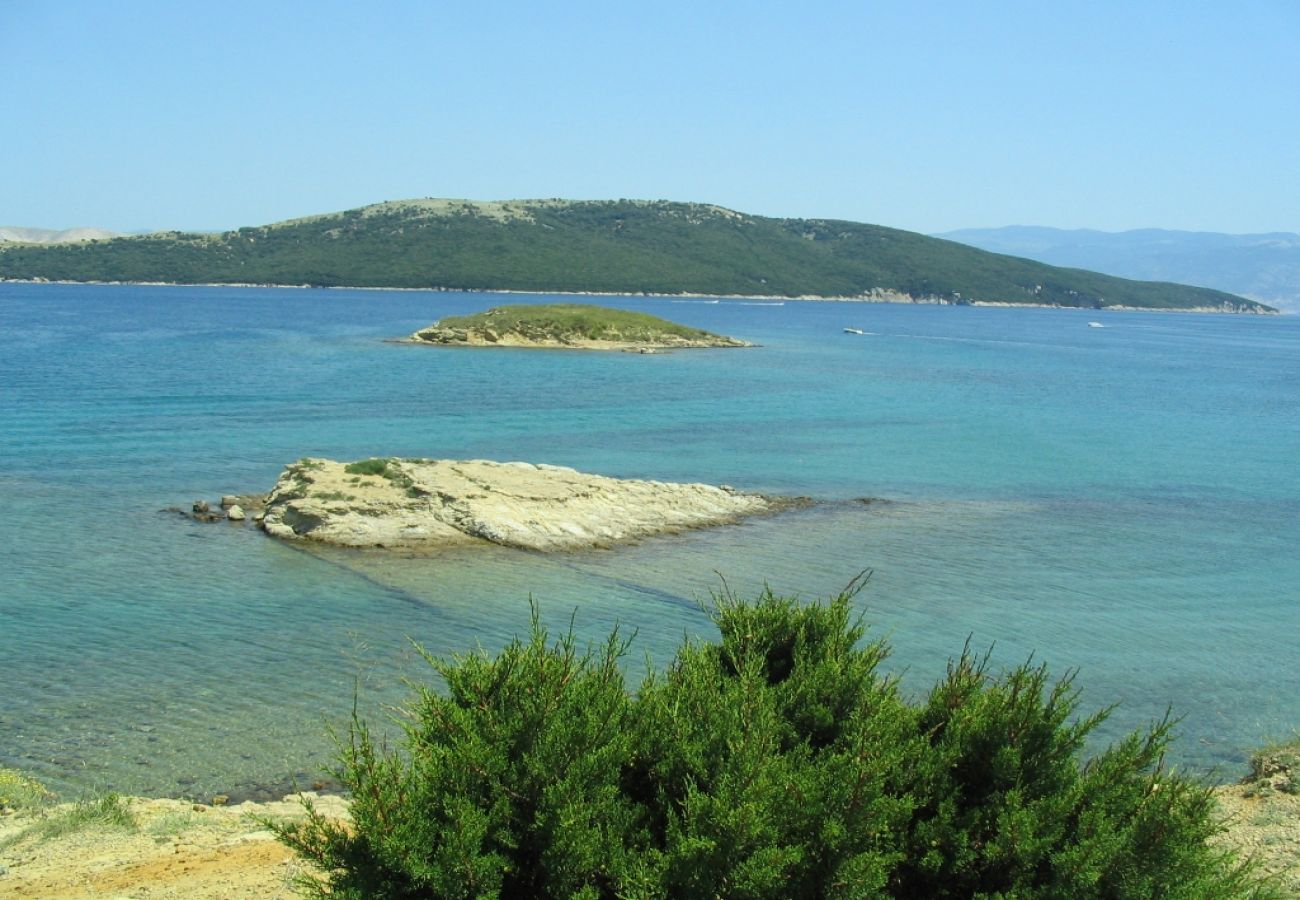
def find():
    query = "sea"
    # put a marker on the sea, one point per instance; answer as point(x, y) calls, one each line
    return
point(1121, 504)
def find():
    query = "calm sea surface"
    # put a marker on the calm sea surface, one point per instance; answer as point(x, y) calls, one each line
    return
point(1123, 500)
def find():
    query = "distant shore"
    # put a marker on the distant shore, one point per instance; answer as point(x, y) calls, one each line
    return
point(885, 297)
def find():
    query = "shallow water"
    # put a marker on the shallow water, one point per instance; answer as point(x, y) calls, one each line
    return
point(1122, 500)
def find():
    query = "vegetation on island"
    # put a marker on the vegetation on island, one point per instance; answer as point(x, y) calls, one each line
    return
point(570, 323)
point(616, 246)
point(775, 762)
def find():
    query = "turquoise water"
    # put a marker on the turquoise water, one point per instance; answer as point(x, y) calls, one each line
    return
point(1123, 501)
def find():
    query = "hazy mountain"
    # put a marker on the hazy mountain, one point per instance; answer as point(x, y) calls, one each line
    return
point(612, 246)
point(54, 236)
point(1263, 267)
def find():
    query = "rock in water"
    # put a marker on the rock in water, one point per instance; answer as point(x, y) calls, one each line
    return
point(235, 513)
point(575, 326)
point(422, 502)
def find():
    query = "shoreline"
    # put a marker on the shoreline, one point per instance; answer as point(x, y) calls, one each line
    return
point(179, 848)
point(886, 297)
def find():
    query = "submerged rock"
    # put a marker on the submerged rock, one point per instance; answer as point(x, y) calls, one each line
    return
point(233, 508)
point(430, 503)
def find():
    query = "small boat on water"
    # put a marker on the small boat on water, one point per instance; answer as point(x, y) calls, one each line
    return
point(854, 331)
point(1095, 325)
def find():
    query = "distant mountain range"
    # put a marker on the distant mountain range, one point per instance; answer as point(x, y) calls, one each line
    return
point(1264, 267)
point(609, 246)
point(53, 236)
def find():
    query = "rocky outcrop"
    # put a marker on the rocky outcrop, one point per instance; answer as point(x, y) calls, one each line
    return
point(486, 337)
point(579, 326)
point(233, 508)
point(432, 503)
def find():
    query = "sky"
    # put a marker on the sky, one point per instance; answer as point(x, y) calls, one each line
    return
point(139, 115)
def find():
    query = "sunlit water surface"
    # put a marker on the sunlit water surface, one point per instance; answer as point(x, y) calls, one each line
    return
point(1120, 500)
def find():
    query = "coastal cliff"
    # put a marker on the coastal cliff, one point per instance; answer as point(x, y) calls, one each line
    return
point(422, 503)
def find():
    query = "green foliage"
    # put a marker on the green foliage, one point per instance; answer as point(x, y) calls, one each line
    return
point(377, 466)
point(108, 811)
point(334, 495)
point(381, 467)
point(18, 793)
point(599, 246)
point(776, 762)
point(572, 320)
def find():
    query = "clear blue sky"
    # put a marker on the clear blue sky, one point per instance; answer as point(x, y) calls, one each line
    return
point(134, 114)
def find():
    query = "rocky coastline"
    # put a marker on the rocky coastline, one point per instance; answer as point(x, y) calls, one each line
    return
point(458, 337)
point(386, 502)
point(875, 296)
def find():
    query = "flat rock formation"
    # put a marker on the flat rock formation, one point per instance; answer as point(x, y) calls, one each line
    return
point(409, 503)
point(568, 326)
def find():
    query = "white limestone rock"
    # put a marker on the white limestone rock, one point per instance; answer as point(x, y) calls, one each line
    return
point(429, 503)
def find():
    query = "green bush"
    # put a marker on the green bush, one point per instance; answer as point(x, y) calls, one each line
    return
point(19, 793)
point(777, 762)
point(375, 466)
point(572, 320)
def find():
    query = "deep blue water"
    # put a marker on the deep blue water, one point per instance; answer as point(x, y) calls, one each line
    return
point(1124, 501)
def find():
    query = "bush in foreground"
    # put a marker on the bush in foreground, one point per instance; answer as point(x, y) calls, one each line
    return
point(778, 762)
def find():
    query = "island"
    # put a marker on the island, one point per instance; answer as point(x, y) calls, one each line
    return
point(436, 503)
point(570, 326)
point(644, 247)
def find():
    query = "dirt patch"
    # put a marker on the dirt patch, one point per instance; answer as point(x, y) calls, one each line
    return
point(176, 849)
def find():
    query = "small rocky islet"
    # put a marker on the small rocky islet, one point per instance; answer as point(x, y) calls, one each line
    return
point(389, 502)
point(385, 502)
point(569, 326)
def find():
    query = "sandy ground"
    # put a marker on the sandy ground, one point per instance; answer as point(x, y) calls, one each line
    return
point(182, 850)
point(177, 849)
point(1267, 827)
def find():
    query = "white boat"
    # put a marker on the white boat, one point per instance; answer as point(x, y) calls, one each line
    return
point(1095, 325)
point(854, 331)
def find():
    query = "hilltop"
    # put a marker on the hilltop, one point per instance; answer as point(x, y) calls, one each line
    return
point(53, 235)
point(609, 246)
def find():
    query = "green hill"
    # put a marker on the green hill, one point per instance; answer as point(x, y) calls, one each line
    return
point(617, 246)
